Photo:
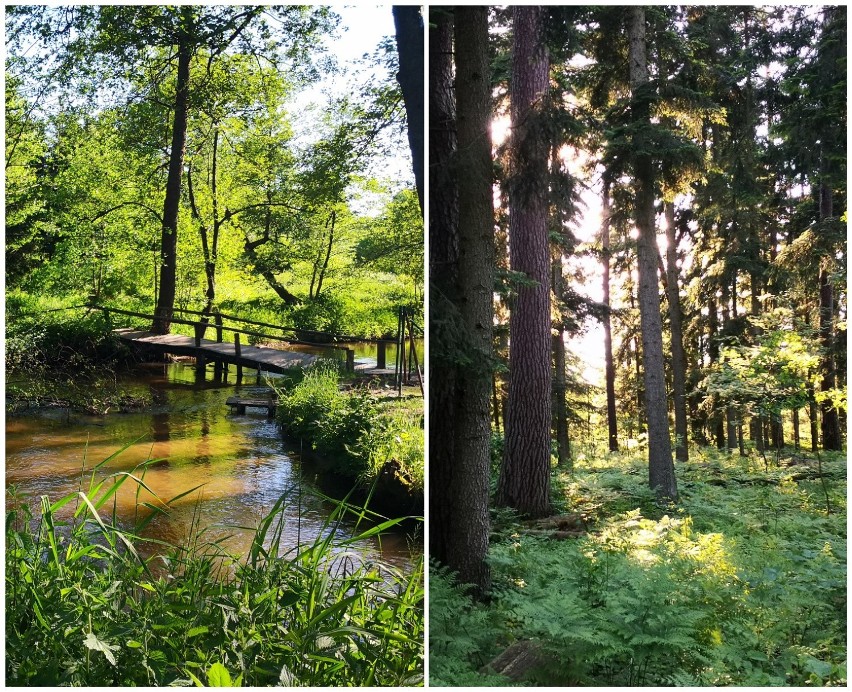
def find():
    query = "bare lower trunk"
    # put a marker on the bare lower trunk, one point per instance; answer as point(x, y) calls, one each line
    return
point(524, 482)
point(476, 290)
point(676, 323)
point(443, 275)
point(660, 465)
point(611, 419)
point(831, 439)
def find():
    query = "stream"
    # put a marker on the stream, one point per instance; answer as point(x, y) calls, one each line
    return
point(239, 461)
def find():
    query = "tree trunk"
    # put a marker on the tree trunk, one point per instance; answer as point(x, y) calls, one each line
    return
point(560, 407)
point(831, 439)
point(814, 420)
point(611, 415)
point(471, 522)
point(797, 441)
point(716, 421)
point(249, 246)
point(164, 309)
point(524, 482)
point(731, 428)
point(443, 275)
point(660, 465)
point(408, 23)
point(324, 266)
point(676, 322)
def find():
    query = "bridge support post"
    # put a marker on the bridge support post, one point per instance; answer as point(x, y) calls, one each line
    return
point(200, 365)
point(350, 360)
point(381, 355)
point(237, 348)
point(199, 334)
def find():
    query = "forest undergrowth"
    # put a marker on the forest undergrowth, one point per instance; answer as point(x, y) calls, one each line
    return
point(741, 583)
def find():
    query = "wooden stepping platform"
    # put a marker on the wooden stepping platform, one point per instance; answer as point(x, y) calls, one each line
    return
point(240, 404)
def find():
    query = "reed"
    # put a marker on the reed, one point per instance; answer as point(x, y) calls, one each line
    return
point(83, 607)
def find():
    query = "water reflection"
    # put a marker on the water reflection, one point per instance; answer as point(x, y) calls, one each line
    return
point(236, 467)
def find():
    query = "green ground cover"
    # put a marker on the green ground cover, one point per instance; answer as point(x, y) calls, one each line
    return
point(742, 583)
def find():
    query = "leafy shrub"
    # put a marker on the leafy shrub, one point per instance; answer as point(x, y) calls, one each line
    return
point(68, 340)
point(353, 427)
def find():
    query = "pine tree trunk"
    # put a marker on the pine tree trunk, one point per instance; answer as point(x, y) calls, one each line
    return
point(164, 309)
point(469, 544)
point(611, 414)
point(560, 407)
point(797, 441)
point(676, 322)
point(660, 465)
point(731, 428)
point(716, 422)
point(831, 439)
point(443, 276)
point(524, 482)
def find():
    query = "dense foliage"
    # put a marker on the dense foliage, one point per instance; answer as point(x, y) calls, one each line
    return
point(742, 583)
point(83, 608)
point(365, 434)
point(286, 203)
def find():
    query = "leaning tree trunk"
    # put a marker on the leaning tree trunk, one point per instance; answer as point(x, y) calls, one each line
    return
point(524, 482)
point(660, 465)
point(164, 310)
point(468, 540)
point(676, 323)
point(409, 44)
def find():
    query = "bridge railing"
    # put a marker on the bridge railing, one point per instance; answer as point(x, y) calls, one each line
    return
point(200, 327)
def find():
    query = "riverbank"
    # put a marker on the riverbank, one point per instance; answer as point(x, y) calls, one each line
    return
point(374, 439)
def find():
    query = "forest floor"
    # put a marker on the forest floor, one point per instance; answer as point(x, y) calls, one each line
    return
point(743, 582)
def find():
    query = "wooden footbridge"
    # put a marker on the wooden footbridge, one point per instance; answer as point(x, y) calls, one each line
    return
point(275, 353)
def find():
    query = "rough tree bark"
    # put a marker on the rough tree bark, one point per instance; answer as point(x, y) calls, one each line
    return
point(469, 538)
point(524, 482)
point(408, 23)
point(443, 277)
point(660, 465)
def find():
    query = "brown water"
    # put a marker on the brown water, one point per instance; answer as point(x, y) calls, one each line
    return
point(236, 467)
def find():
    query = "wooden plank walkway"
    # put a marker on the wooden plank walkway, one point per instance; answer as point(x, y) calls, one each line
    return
point(256, 357)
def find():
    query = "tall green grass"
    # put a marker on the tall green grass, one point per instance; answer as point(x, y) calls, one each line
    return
point(84, 607)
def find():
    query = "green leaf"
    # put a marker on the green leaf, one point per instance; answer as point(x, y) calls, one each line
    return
point(218, 676)
point(95, 644)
